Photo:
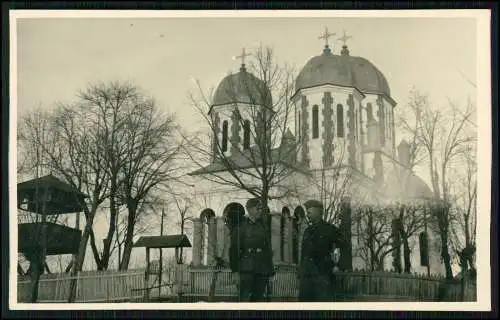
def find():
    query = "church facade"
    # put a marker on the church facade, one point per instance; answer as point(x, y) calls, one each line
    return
point(343, 118)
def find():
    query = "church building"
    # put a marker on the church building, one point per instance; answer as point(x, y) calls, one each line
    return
point(343, 118)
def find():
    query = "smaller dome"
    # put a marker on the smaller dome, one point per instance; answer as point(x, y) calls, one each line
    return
point(418, 188)
point(242, 87)
point(408, 185)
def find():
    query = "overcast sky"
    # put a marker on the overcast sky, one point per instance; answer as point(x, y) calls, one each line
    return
point(58, 56)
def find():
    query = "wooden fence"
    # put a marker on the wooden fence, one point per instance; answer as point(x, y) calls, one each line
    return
point(349, 286)
point(91, 286)
point(194, 282)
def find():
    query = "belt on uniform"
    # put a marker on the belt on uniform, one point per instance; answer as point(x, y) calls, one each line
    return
point(253, 250)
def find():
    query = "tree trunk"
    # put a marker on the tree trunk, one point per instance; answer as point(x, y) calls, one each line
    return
point(39, 257)
point(82, 249)
point(406, 255)
point(35, 279)
point(113, 212)
point(181, 251)
point(69, 267)
point(380, 264)
point(446, 255)
point(345, 261)
point(129, 236)
point(466, 229)
point(79, 262)
point(36, 266)
point(397, 234)
point(119, 254)
point(443, 228)
point(127, 251)
point(95, 251)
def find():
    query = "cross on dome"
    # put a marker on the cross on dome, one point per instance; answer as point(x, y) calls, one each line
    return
point(344, 38)
point(326, 35)
point(242, 56)
point(345, 51)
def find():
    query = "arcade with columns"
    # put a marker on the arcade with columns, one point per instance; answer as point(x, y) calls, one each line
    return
point(211, 234)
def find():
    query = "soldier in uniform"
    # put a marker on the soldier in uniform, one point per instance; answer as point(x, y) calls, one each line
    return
point(316, 280)
point(251, 254)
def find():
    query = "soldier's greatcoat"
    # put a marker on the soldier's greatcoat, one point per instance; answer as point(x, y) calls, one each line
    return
point(316, 264)
point(251, 250)
point(251, 256)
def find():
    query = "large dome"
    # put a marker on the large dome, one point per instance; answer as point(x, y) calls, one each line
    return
point(342, 70)
point(242, 87)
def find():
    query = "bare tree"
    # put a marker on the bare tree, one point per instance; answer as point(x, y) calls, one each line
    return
point(409, 220)
point(464, 229)
point(93, 153)
point(266, 157)
point(152, 160)
point(409, 211)
point(76, 157)
point(121, 228)
point(147, 218)
point(333, 182)
point(109, 104)
point(375, 236)
point(443, 136)
point(182, 204)
point(119, 148)
point(34, 135)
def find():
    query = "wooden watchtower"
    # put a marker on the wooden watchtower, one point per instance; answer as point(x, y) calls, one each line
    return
point(45, 199)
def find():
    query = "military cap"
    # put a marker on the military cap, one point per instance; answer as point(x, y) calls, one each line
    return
point(252, 203)
point(313, 204)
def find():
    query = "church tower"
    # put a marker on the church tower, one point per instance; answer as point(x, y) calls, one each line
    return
point(344, 112)
point(235, 111)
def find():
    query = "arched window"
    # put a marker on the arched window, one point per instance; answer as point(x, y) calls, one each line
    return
point(285, 215)
point(204, 243)
point(315, 123)
point(387, 127)
point(356, 125)
point(340, 121)
point(391, 122)
point(369, 111)
point(295, 241)
point(233, 215)
point(246, 134)
point(424, 248)
point(282, 238)
point(299, 129)
point(224, 135)
point(299, 215)
point(205, 216)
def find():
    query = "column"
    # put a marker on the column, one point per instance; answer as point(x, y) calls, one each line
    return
point(302, 227)
point(220, 236)
point(212, 241)
point(197, 242)
point(276, 236)
point(288, 239)
point(227, 244)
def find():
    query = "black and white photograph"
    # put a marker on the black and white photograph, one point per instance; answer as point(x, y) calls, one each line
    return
point(250, 159)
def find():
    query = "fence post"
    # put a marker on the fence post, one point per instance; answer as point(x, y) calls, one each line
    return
point(77, 285)
point(56, 291)
point(107, 287)
point(146, 276)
